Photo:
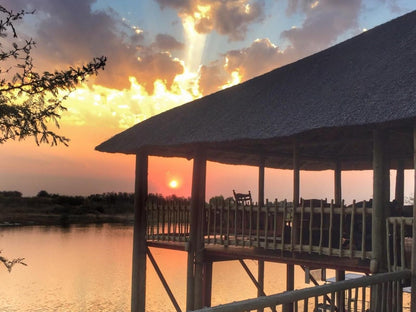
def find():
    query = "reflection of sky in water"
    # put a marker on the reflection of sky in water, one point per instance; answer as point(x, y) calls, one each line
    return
point(89, 269)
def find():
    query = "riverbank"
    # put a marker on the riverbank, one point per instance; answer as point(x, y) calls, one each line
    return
point(46, 209)
point(27, 219)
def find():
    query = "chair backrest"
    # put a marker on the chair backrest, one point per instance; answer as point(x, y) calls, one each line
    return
point(243, 199)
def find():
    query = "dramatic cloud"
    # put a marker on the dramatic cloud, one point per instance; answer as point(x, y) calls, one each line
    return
point(70, 32)
point(153, 66)
point(325, 21)
point(212, 77)
point(261, 57)
point(230, 18)
point(164, 42)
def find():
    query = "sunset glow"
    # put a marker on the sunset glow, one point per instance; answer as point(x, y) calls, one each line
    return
point(162, 54)
point(173, 184)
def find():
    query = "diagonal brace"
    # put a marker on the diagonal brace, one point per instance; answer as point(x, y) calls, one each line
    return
point(253, 279)
point(163, 280)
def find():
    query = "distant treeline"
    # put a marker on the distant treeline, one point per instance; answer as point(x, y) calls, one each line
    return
point(108, 203)
point(105, 203)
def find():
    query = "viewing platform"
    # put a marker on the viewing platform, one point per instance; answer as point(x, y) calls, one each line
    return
point(348, 108)
point(313, 235)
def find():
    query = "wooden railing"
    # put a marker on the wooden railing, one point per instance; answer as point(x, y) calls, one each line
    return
point(399, 242)
point(168, 220)
point(313, 227)
point(380, 292)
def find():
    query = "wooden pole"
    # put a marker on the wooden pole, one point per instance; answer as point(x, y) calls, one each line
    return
point(381, 193)
point(413, 261)
point(399, 192)
point(296, 175)
point(337, 184)
point(138, 286)
point(206, 300)
point(339, 274)
point(260, 275)
point(194, 296)
point(340, 298)
point(290, 268)
point(290, 285)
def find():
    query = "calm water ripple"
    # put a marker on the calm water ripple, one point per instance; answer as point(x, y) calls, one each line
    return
point(88, 269)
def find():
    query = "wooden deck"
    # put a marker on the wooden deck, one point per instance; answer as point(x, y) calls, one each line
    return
point(317, 230)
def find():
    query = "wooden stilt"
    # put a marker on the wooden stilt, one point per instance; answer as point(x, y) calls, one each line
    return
point(207, 286)
point(290, 268)
point(339, 274)
point(260, 276)
point(196, 239)
point(413, 261)
point(260, 280)
point(138, 287)
point(381, 193)
point(290, 285)
point(340, 298)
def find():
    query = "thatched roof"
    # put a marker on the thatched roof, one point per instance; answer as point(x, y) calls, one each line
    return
point(329, 103)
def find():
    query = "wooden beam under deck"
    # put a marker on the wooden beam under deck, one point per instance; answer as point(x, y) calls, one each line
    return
point(226, 253)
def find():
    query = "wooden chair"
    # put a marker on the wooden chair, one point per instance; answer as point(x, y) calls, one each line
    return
point(243, 199)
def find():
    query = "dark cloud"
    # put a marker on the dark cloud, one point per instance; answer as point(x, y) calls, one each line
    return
point(230, 18)
point(164, 42)
point(182, 5)
point(325, 21)
point(70, 32)
point(262, 56)
point(233, 17)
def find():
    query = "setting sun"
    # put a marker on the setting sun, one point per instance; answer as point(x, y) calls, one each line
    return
point(173, 184)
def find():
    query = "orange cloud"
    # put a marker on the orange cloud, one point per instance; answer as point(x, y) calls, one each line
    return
point(230, 18)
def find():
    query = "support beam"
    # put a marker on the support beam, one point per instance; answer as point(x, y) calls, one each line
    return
point(260, 273)
point(339, 274)
point(163, 281)
point(399, 191)
point(340, 297)
point(337, 184)
point(413, 261)
point(138, 286)
point(207, 286)
point(381, 194)
point(194, 295)
point(296, 175)
point(290, 268)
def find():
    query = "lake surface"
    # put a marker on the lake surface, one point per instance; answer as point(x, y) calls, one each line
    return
point(89, 269)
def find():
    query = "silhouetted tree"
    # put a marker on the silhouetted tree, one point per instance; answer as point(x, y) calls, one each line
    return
point(29, 100)
point(42, 193)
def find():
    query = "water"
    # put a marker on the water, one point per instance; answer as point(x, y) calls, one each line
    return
point(89, 269)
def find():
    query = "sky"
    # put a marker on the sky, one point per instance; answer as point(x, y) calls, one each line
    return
point(161, 54)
